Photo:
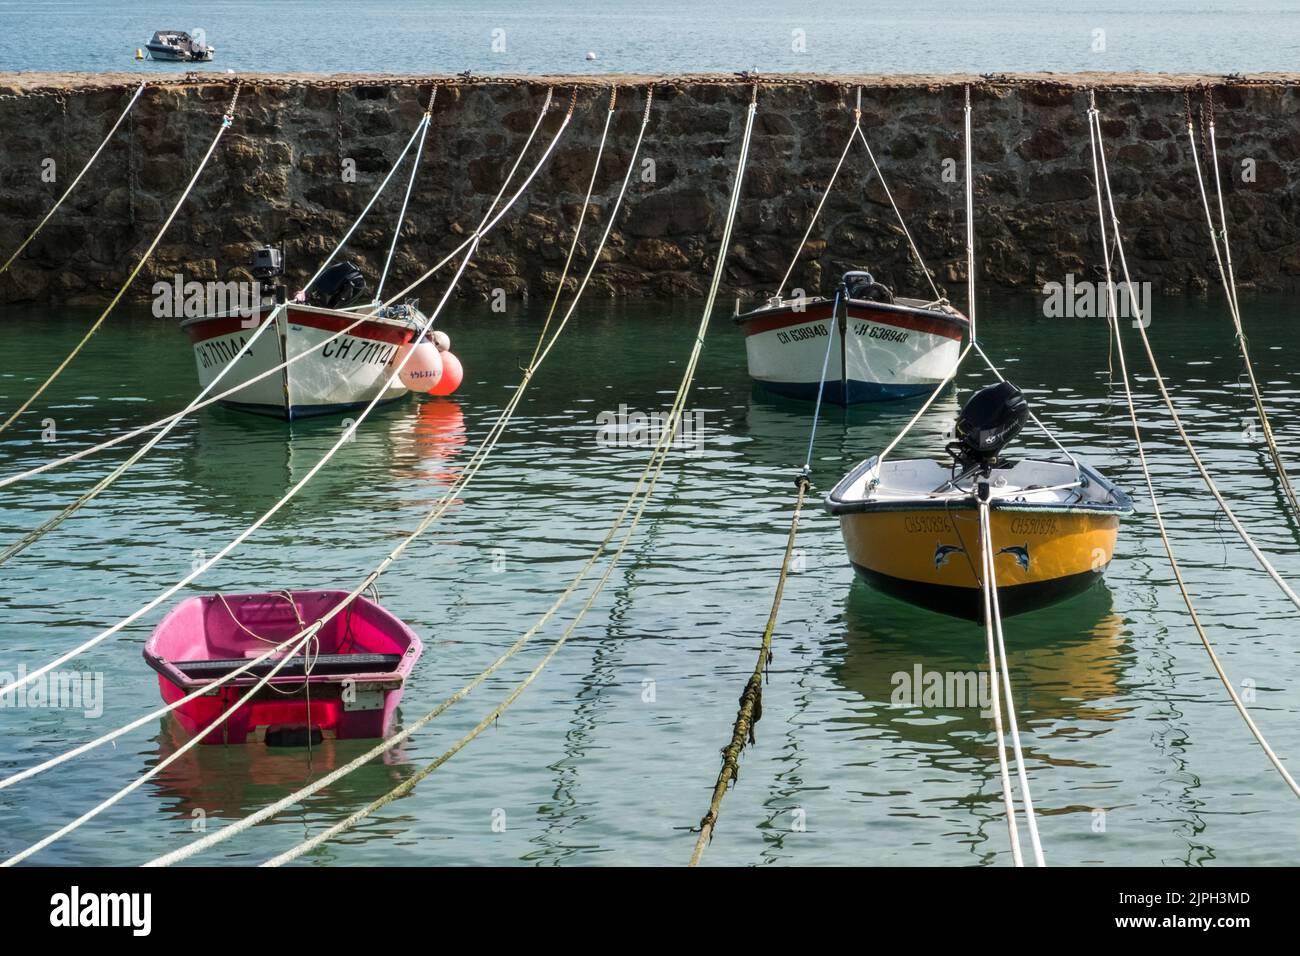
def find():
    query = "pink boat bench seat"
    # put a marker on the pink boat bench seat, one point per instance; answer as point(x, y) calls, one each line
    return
point(325, 664)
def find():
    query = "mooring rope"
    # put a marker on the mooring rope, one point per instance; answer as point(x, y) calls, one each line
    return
point(751, 698)
point(1140, 323)
point(546, 105)
point(911, 243)
point(661, 453)
point(1228, 280)
point(451, 494)
point(857, 133)
point(163, 764)
point(226, 121)
point(67, 192)
point(986, 584)
point(993, 627)
point(1100, 175)
point(577, 230)
point(302, 641)
point(410, 184)
point(970, 223)
point(345, 437)
point(848, 144)
point(34, 535)
point(312, 349)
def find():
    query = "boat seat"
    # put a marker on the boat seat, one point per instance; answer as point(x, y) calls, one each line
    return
point(325, 664)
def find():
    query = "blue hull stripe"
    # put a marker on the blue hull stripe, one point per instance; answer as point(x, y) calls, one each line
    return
point(857, 391)
point(305, 411)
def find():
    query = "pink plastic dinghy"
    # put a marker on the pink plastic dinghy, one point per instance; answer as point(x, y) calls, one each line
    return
point(348, 688)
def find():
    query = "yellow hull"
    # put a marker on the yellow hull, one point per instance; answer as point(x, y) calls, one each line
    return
point(931, 556)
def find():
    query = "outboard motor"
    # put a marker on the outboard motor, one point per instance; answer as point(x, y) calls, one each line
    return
point(338, 287)
point(864, 287)
point(989, 421)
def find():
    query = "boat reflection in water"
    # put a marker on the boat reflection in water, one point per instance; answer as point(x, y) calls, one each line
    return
point(232, 782)
point(406, 444)
point(925, 677)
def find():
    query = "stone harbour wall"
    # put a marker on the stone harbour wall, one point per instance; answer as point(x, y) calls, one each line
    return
point(281, 174)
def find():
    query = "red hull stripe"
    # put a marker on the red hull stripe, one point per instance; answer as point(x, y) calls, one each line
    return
point(948, 328)
point(372, 331)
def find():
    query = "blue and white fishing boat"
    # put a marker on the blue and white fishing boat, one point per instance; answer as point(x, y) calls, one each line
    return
point(885, 348)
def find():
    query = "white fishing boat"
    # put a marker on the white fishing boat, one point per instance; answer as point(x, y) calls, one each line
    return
point(178, 46)
point(884, 348)
point(346, 373)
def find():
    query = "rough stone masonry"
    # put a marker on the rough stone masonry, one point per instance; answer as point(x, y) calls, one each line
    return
point(281, 174)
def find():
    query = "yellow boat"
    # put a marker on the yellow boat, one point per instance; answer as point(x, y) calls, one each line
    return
point(911, 526)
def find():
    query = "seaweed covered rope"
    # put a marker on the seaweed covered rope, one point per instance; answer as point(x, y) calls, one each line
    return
point(751, 698)
point(227, 119)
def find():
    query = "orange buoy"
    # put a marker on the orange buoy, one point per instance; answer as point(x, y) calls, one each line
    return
point(452, 375)
point(424, 366)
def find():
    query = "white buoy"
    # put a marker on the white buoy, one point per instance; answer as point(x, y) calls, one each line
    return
point(441, 340)
point(423, 369)
point(591, 55)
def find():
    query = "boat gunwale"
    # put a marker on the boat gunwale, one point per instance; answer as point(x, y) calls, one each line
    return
point(836, 504)
point(314, 309)
point(953, 317)
point(390, 679)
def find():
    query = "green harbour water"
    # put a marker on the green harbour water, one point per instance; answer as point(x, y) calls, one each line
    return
point(1134, 751)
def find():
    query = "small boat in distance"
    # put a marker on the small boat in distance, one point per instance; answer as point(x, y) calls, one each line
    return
point(887, 347)
point(911, 526)
point(347, 687)
point(177, 45)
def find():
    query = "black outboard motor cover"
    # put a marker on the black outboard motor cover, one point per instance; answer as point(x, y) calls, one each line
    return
point(864, 287)
point(989, 421)
point(339, 286)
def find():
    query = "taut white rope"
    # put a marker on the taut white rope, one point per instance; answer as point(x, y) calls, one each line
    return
point(68, 192)
point(1098, 175)
point(226, 119)
point(53, 522)
point(995, 693)
point(344, 438)
point(661, 452)
point(993, 624)
point(410, 184)
point(970, 224)
point(1230, 290)
point(911, 243)
point(848, 144)
point(1140, 323)
point(457, 487)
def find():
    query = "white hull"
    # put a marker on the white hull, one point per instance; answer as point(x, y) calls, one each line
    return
point(344, 374)
point(882, 354)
